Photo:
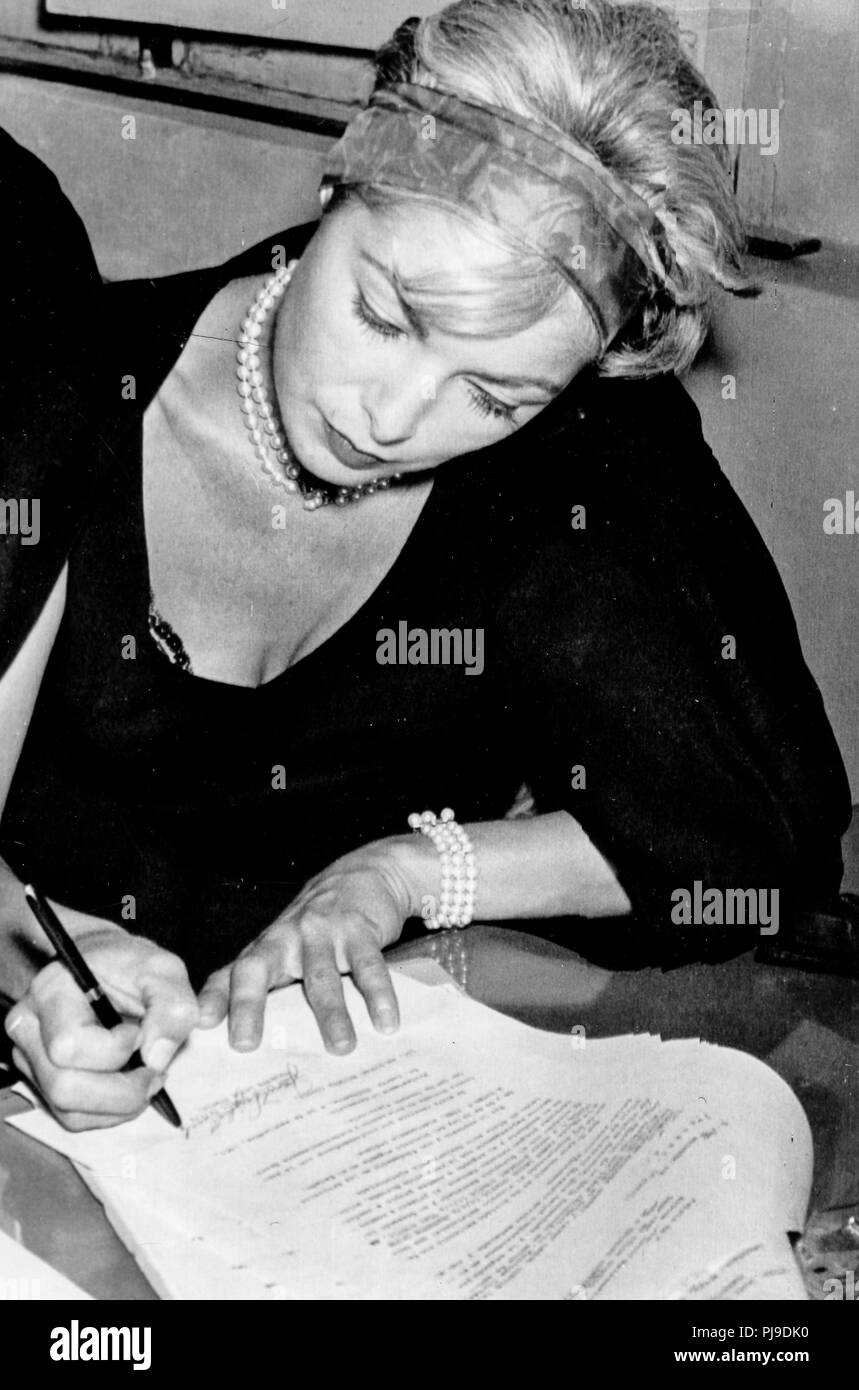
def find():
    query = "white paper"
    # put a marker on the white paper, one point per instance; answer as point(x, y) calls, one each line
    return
point(466, 1157)
point(764, 1271)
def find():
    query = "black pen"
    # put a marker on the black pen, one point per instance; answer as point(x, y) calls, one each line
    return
point(98, 1001)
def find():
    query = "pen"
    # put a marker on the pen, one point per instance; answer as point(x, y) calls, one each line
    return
point(98, 1001)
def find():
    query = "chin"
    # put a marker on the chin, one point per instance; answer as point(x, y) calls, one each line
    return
point(318, 461)
point(310, 451)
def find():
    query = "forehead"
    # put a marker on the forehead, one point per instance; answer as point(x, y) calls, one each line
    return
point(426, 239)
point(418, 243)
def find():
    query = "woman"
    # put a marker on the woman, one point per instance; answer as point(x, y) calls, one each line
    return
point(245, 691)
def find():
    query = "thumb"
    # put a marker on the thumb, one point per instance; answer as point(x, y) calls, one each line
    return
point(171, 1011)
point(215, 998)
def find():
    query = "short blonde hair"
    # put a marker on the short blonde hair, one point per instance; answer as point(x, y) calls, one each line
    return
point(609, 75)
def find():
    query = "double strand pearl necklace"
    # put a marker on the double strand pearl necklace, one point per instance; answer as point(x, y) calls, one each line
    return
point(261, 419)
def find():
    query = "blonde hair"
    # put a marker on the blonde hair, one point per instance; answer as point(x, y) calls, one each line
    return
point(609, 75)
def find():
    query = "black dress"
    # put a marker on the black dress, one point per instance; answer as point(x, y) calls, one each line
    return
point(192, 810)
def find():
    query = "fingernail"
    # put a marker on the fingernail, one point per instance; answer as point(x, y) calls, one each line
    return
point(13, 1022)
point(386, 1021)
point(342, 1044)
point(160, 1054)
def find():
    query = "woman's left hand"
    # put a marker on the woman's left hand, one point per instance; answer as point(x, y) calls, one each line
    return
point(338, 925)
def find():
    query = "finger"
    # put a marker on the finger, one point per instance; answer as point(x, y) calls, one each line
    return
point(373, 979)
point(250, 982)
point(71, 1120)
point(323, 987)
point(67, 1040)
point(172, 1011)
point(67, 1090)
point(70, 1033)
point(214, 999)
point(22, 1064)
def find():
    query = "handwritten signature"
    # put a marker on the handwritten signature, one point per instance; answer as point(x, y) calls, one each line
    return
point(248, 1102)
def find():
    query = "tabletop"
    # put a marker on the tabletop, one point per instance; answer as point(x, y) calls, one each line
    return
point(805, 1026)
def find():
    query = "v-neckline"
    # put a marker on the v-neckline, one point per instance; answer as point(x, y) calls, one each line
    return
point(413, 538)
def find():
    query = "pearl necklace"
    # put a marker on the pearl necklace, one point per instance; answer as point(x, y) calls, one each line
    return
point(261, 419)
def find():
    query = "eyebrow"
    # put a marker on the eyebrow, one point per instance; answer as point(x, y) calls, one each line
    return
point(413, 318)
point(409, 312)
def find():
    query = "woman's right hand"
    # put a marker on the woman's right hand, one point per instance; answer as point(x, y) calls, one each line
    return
point(74, 1062)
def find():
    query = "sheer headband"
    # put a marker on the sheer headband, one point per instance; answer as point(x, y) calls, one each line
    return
point(541, 188)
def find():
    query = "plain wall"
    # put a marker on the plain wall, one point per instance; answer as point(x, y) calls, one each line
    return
point(190, 189)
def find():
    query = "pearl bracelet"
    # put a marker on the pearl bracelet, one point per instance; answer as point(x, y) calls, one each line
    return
point(458, 874)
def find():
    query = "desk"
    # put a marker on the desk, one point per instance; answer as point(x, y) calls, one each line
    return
point(805, 1026)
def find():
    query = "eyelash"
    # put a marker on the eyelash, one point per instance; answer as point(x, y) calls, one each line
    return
point(488, 405)
point(384, 330)
point(481, 401)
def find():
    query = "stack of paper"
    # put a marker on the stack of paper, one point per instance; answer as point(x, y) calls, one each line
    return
point(466, 1157)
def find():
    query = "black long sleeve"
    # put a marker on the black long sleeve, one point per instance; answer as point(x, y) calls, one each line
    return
point(655, 649)
point(54, 383)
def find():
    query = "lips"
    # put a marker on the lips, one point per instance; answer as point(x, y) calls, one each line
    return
point(345, 452)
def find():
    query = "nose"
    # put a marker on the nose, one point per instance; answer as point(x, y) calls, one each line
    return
point(394, 408)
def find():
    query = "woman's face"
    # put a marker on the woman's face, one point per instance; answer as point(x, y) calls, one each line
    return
point(365, 389)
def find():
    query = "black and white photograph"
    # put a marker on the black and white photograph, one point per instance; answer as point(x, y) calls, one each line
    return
point(429, 675)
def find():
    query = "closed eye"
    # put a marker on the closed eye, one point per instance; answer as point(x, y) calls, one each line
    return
point(490, 405)
point(369, 320)
point(480, 400)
